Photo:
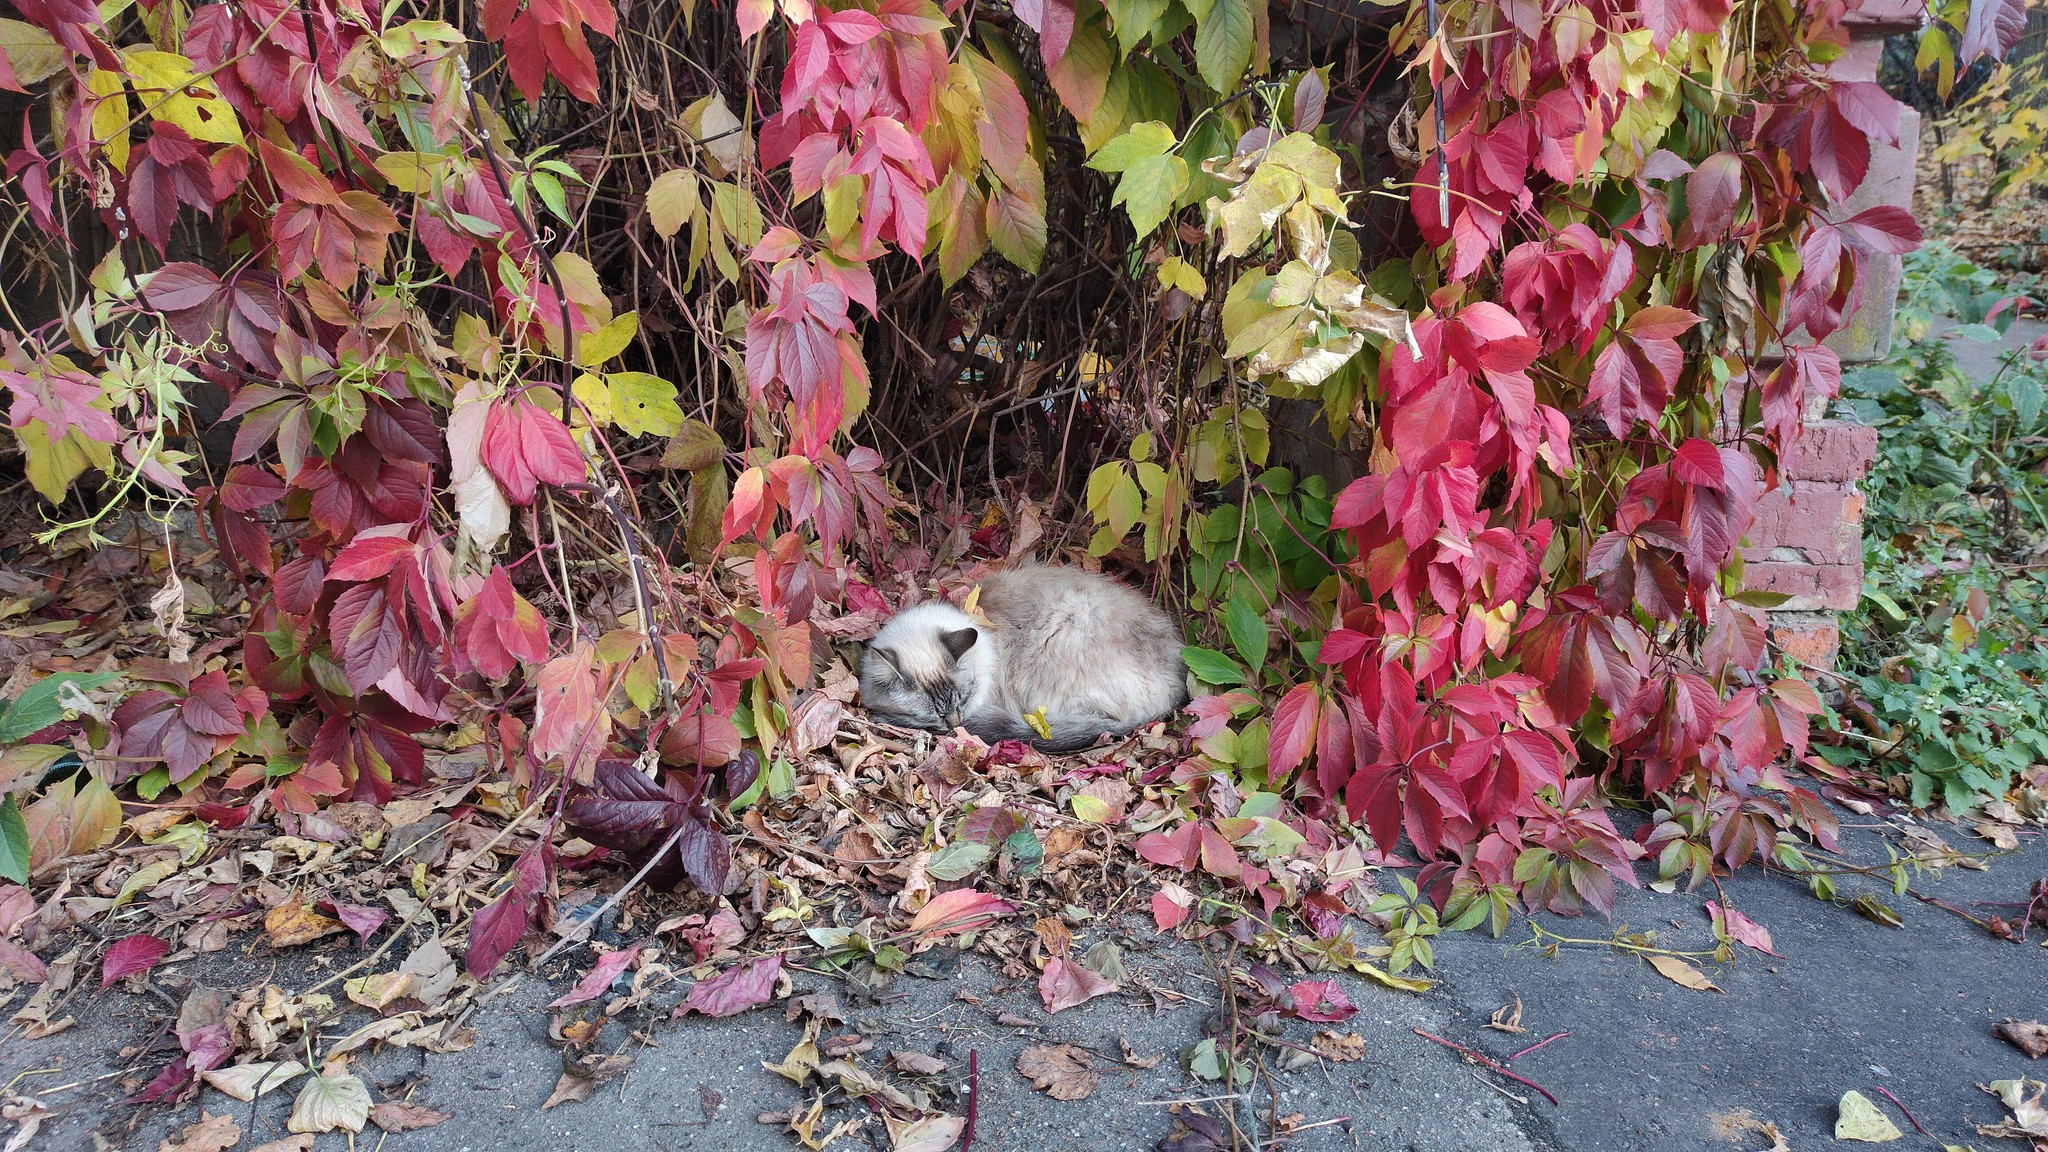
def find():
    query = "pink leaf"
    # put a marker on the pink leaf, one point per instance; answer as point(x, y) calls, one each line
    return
point(734, 990)
point(361, 919)
point(1321, 1001)
point(599, 977)
point(1294, 729)
point(1064, 984)
point(131, 955)
point(1740, 928)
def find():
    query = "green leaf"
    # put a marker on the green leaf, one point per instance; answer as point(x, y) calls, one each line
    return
point(1134, 19)
point(1248, 633)
point(1142, 141)
point(958, 860)
point(644, 404)
point(1016, 223)
point(1148, 189)
point(13, 842)
point(1223, 43)
point(47, 701)
point(1211, 666)
point(1885, 602)
point(1126, 504)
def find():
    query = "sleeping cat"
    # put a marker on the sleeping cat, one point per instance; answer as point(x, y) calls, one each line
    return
point(1095, 655)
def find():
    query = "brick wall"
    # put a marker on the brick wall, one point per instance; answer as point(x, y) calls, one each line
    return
point(1807, 539)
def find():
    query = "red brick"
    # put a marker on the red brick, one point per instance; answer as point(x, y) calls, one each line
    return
point(1811, 639)
point(1824, 522)
point(1832, 450)
point(1812, 587)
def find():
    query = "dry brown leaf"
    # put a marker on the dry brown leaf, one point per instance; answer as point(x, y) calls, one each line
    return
point(1343, 1047)
point(916, 1063)
point(1053, 933)
point(2029, 1036)
point(404, 1116)
point(1133, 1059)
point(1508, 1017)
point(1680, 971)
point(379, 991)
point(291, 924)
point(591, 1074)
point(2029, 1118)
point(1061, 1071)
point(211, 1134)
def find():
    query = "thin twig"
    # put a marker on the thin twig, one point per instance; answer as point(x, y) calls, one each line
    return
point(973, 1097)
point(1484, 1059)
point(1538, 1044)
point(1910, 1118)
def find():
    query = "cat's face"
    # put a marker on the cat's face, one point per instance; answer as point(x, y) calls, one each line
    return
point(923, 668)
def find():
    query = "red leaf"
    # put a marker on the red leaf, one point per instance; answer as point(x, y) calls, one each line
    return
point(366, 634)
point(1294, 730)
point(1993, 28)
point(361, 919)
point(525, 446)
point(1698, 462)
point(180, 287)
point(599, 978)
point(1712, 192)
point(1053, 20)
point(1321, 1001)
point(372, 554)
point(735, 990)
point(130, 955)
point(961, 910)
point(1064, 985)
point(568, 715)
point(1168, 912)
point(499, 629)
point(499, 924)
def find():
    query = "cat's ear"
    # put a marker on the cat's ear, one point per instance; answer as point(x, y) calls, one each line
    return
point(890, 658)
point(958, 642)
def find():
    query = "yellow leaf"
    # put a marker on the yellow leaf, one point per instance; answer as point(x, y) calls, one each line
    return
point(596, 396)
point(644, 404)
point(1039, 724)
point(109, 115)
point(597, 348)
point(30, 51)
point(1682, 972)
point(52, 467)
point(671, 201)
point(1858, 1119)
point(170, 91)
point(413, 172)
point(1175, 272)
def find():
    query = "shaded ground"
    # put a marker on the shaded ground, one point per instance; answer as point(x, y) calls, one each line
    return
point(1648, 1066)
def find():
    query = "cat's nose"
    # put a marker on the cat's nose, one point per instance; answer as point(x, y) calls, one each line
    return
point(953, 719)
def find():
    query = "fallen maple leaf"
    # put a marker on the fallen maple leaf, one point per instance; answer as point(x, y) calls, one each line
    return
point(2029, 1036)
point(735, 990)
point(1065, 984)
point(1682, 972)
point(1061, 1071)
point(129, 956)
point(211, 1134)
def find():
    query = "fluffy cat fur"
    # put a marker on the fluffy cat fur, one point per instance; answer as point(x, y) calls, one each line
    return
point(1095, 654)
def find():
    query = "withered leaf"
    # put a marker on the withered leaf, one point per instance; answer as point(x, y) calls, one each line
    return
point(2029, 1036)
point(1343, 1047)
point(588, 1075)
point(1061, 1071)
point(403, 1116)
point(211, 1134)
point(1680, 971)
point(916, 1063)
point(1131, 1056)
point(292, 923)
